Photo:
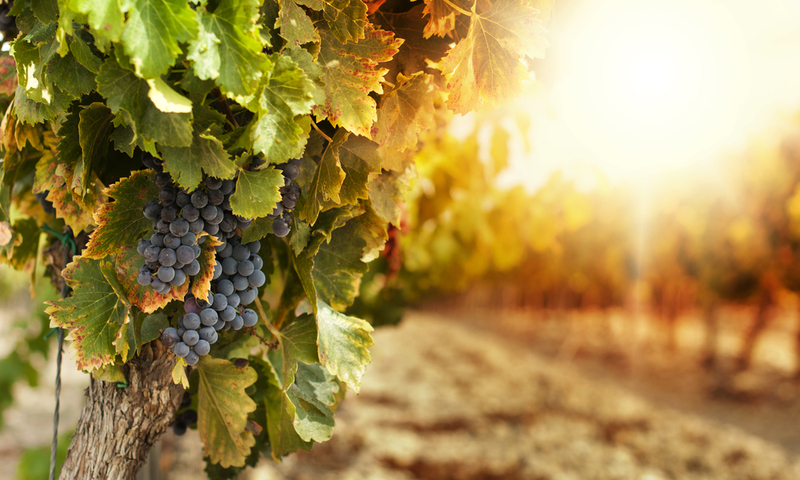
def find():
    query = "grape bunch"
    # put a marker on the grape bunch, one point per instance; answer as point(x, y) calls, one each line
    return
point(290, 193)
point(172, 250)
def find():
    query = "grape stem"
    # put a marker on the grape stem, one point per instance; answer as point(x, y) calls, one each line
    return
point(313, 124)
point(226, 109)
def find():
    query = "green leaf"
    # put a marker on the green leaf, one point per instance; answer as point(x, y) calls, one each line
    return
point(313, 395)
point(129, 94)
point(350, 72)
point(222, 410)
point(300, 235)
point(343, 343)
point(295, 25)
point(70, 75)
point(94, 128)
point(106, 18)
point(228, 47)
point(45, 10)
point(485, 66)
point(93, 314)
point(305, 61)
point(83, 54)
point(260, 228)
point(32, 112)
point(205, 154)
point(110, 374)
point(121, 223)
point(405, 112)
point(281, 130)
point(297, 342)
point(166, 99)
point(359, 159)
point(280, 410)
point(326, 183)
point(154, 31)
point(23, 245)
point(338, 267)
point(257, 192)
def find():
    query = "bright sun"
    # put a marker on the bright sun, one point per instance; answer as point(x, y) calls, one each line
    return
point(650, 85)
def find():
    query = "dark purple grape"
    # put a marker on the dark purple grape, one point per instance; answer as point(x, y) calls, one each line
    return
point(234, 300)
point(229, 266)
point(167, 257)
point(171, 241)
point(209, 212)
point(170, 337)
point(207, 333)
point(182, 199)
point(197, 226)
point(179, 227)
point(202, 347)
point(289, 201)
point(162, 180)
point(276, 212)
point(179, 279)
point(237, 323)
point(185, 254)
point(248, 296)
point(215, 197)
point(189, 239)
point(196, 250)
point(254, 247)
point(142, 245)
point(211, 229)
point(157, 285)
point(151, 210)
point(191, 321)
point(147, 160)
point(153, 266)
point(249, 317)
point(192, 268)
point(227, 186)
point(190, 213)
point(166, 195)
point(240, 283)
point(227, 313)
point(189, 417)
point(217, 271)
point(241, 253)
point(199, 199)
point(209, 317)
point(220, 302)
point(192, 358)
point(244, 224)
point(157, 239)
point(190, 306)
point(144, 278)
point(280, 228)
point(190, 337)
point(245, 268)
point(257, 261)
point(213, 183)
point(166, 274)
point(257, 278)
point(289, 170)
point(151, 254)
point(225, 287)
point(226, 204)
point(162, 226)
point(181, 349)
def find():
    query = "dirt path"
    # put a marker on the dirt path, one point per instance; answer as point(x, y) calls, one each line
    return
point(447, 397)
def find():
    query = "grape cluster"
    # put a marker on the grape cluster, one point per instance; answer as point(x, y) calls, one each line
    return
point(290, 193)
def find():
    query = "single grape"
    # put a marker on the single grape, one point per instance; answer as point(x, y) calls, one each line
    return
point(244, 224)
point(227, 225)
point(245, 268)
point(240, 283)
point(199, 199)
point(258, 262)
point(182, 199)
point(142, 245)
point(220, 302)
point(181, 349)
point(190, 306)
point(192, 358)
point(151, 210)
point(170, 337)
point(241, 253)
point(202, 347)
point(289, 201)
point(213, 183)
point(225, 287)
point(197, 226)
point(254, 247)
point(192, 321)
point(209, 212)
point(171, 241)
point(185, 254)
point(151, 254)
point(189, 239)
point(178, 265)
point(157, 239)
point(209, 317)
point(167, 257)
point(249, 317)
point(190, 337)
point(162, 226)
point(234, 300)
point(179, 279)
point(229, 266)
point(190, 213)
point(215, 197)
point(166, 274)
point(227, 313)
point(189, 417)
point(287, 184)
point(207, 333)
point(257, 278)
point(226, 251)
point(181, 331)
point(211, 229)
point(166, 195)
point(227, 186)
point(219, 325)
point(144, 278)
point(162, 180)
point(280, 228)
point(157, 285)
point(147, 159)
point(192, 268)
point(237, 323)
point(179, 428)
point(217, 218)
point(289, 170)
point(248, 296)
point(179, 227)
point(168, 213)
point(217, 271)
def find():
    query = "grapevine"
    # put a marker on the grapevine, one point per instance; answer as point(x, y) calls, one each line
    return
point(235, 166)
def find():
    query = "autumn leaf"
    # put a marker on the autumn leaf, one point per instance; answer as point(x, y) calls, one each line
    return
point(486, 65)
point(94, 313)
point(405, 112)
point(222, 410)
point(143, 296)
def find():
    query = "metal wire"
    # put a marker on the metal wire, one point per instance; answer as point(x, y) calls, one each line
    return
point(69, 247)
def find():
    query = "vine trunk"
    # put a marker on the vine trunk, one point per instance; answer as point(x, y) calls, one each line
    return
point(118, 426)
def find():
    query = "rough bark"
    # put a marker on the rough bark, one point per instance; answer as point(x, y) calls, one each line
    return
point(118, 426)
